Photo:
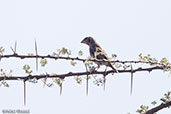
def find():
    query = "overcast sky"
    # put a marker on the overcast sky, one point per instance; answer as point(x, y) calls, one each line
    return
point(123, 27)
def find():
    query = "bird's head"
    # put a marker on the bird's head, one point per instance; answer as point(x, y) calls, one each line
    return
point(88, 40)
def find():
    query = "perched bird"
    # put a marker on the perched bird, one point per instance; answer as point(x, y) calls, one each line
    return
point(97, 52)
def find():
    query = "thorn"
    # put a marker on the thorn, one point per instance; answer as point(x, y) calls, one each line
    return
point(86, 81)
point(24, 92)
point(15, 48)
point(12, 50)
point(36, 55)
point(131, 80)
point(168, 75)
point(104, 86)
point(61, 89)
point(45, 81)
point(87, 86)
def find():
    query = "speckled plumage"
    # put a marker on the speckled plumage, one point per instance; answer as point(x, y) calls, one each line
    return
point(97, 52)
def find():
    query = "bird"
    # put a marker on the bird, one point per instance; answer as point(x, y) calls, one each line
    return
point(97, 52)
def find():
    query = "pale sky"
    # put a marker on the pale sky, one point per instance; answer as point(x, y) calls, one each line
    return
point(123, 27)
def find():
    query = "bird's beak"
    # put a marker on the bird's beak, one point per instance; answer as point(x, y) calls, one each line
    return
point(83, 41)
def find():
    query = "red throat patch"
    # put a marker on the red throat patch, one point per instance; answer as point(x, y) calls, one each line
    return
point(87, 42)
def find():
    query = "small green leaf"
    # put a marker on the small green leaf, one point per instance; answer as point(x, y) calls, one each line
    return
point(80, 53)
point(73, 63)
point(78, 79)
point(55, 54)
point(64, 51)
point(163, 99)
point(114, 55)
point(140, 57)
point(2, 50)
point(27, 69)
point(58, 81)
point(5, 84)
point(154, 103)
point(164, 61)
point(143, 109)
point(30, 54)
point(43, 62)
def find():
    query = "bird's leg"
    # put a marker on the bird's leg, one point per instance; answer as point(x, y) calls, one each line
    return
point(106, 69)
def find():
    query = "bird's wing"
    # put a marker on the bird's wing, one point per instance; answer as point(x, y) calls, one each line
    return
point(100, 53)
point(92, 52)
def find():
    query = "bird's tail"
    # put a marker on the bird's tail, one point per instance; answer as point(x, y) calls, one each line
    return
point(110, 65)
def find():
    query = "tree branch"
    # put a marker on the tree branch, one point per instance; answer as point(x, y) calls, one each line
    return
point(156, 66)
point(79, 74)
point(71, 58)
point(160, 107)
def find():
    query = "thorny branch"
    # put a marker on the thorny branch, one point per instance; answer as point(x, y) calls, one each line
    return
point(78, 74)
point(69, 58)
point(153, 65)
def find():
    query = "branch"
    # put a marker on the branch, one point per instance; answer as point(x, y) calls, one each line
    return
point(161, 106)
point(71, 58)
point(70, 74)
point(153, 65)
